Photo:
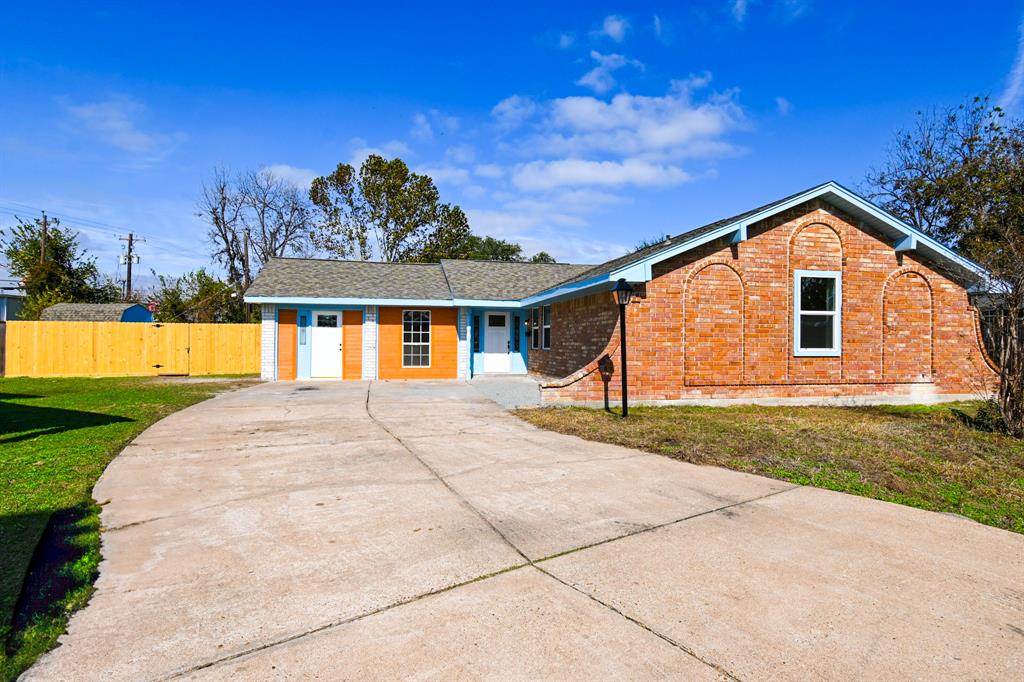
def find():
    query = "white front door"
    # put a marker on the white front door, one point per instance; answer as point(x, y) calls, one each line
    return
point(326, 360)
point(496, 343)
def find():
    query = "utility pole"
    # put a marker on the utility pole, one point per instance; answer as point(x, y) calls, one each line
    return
point(130, 258)
point(245, 275)
point(42, 241)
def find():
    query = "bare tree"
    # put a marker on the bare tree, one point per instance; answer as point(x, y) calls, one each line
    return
point(253, 217)
point(220, 205)
point(276, 215)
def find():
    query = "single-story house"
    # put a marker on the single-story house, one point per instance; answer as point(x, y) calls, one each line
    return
point(96, 312)
point(821, 294)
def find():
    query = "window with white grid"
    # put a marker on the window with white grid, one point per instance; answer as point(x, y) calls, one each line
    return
point(415, 338)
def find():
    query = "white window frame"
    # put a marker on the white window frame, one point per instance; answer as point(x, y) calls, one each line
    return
point(837, 327)
point(535, 328)
point(430, 332)
point(545, 328)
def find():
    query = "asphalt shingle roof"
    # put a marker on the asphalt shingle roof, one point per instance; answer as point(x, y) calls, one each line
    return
point(312, 278)
point(85, 312)
point(503, 280)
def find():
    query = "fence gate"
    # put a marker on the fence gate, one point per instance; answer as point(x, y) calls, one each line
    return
point(171, 348)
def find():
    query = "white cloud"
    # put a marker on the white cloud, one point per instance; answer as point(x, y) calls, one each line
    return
point(426, 125)
point(548, 175)
point(300, 177)
point(739, 10)
point(489, 170)
point(389, 150)
point(421, 128)
point(600, 78)
point(473, 191)
point(566, 40)
point(113, 122)
point(500, 223)
point(512, 112)
point(451, 175)
point(1014, 91)
point(794, 9)
point(670, 126)
point(783, 106)
point(658, 27)
point(614, 27)
point(462, 153)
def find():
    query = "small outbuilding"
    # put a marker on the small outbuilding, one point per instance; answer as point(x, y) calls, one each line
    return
point(96, 312)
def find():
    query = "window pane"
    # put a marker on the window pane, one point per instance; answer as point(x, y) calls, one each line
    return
point(816, 331)
point(327, 320)
point(495, 320)
point(547, 315)
point(547, 337)
point(515, 333)
point(818, 293)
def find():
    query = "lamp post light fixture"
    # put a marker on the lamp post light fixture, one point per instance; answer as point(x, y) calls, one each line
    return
point(623, 295)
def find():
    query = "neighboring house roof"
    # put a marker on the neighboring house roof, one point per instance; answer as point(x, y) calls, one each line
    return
point(88, 312)
point(504, 280)
point(342, 279)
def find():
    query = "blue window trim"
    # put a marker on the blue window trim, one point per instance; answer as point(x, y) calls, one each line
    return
point(837, 329)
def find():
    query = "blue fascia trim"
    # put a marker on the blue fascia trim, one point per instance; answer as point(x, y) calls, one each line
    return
point(486, 303)
point(314, 301)
point(587, 286)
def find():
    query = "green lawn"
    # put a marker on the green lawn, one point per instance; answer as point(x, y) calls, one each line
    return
point(56, 437)
point(923, 456)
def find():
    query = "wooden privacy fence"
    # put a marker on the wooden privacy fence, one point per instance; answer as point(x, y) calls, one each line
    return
point(98, 349)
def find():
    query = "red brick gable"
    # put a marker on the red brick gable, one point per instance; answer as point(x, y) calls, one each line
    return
point(717, 322)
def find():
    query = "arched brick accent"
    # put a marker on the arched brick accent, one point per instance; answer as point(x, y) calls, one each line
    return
point(816, 243)
point(714, 321)
point(908, 327)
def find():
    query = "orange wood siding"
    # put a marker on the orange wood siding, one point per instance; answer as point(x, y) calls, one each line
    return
point(286, 344)
point(352, 344)
point(444, 345)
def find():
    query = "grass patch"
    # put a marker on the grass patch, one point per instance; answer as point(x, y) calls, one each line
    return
point(56, 438)
point(924, 456)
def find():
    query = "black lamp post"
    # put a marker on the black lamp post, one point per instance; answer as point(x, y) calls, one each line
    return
point(623, 294)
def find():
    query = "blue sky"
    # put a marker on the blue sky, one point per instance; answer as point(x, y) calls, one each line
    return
point(578, 129)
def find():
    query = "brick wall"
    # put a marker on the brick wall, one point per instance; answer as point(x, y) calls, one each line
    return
point(907, 329)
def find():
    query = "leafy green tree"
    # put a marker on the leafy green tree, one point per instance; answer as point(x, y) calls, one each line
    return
point(67, 274)
point(197, 296)
point(385, 211)
point(958, 175)
point(542, 257)
point(490, 248)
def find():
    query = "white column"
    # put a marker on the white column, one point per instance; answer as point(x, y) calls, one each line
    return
point(370, 343)
point(268, 342)
point(463, 362)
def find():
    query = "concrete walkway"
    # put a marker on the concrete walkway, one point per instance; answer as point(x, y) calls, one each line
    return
point(416, 530)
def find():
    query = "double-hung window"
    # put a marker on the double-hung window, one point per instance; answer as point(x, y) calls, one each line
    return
point(817, 313)
point(546, 328)
point(415, 338)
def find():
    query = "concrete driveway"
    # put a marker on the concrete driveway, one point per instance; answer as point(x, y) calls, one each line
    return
point(416, 530)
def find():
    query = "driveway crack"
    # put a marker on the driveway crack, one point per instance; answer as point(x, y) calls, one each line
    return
point(462, 500)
